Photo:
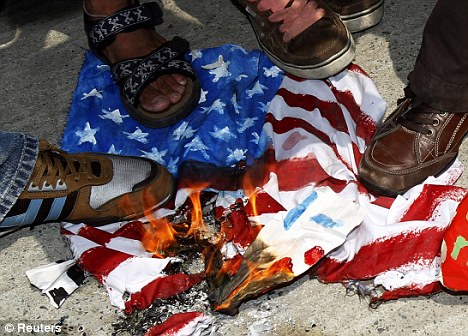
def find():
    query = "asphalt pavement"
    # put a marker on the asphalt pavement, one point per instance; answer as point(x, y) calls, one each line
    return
point(41, 50)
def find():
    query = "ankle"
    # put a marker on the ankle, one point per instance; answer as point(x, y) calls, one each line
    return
point(103, 8)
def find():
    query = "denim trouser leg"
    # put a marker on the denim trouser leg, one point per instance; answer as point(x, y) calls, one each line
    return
point(440, 75)
point(18, 155)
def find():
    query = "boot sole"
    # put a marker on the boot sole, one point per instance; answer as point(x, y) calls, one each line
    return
point(327, 68)
point(391, 193)
point(365, 19)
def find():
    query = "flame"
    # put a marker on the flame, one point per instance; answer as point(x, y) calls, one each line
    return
point(254, 177)
point(197, 223)
point(159, 236)
point(260, 279)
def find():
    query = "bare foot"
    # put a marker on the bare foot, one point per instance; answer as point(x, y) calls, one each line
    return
point(166, 89)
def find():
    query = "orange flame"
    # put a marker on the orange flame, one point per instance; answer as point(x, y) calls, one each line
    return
point(254, 178)
point(159, 236)
point(197, 223)
point(260, 279)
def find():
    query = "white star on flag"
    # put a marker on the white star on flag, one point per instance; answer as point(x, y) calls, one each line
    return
point(87, 134)
point(263, 106)
point(155, 155)
point(137, 135)
point(256, 138)
point(257, 89)
point(183, 131)
point(219, 68)
point(93, 93)
point(239, 78)
point(224, 134)
point(112, 150)
point(172, 165)
point(202, 96)
point(196, 54)
point(236, 155)
point(114, 115)
point(235, 104)
point(247, 123)
point(217, 106)
point(274, 71)
point(197, 145)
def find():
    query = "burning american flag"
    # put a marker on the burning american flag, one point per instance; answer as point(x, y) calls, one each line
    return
point(267, 219)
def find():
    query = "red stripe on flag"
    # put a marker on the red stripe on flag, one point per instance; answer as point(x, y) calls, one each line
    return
point(95, 235)
point(134, 230)
point(365, 126)
point(307, 171)
point(331, 111)
point(100, 261)
point(429, 199)
point(173, 324)
point(264, 204)
point(380, 256)
point(289, 123)
point(161, 288)
point(383, 201)
point(410, 291)
point(357, 69)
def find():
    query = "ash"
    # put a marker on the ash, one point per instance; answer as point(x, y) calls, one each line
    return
point(191, 262)
point(194, 299)
point(137, 323)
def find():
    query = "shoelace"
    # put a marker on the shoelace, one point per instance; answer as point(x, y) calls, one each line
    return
point(296, 15)
point(57, 165)
point(420, 116)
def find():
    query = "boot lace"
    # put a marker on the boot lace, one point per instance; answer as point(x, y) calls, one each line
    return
point(420, 118)
point(57, 165)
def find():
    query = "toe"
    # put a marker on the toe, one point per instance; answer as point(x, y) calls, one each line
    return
point(153, 100)
point(163, 92)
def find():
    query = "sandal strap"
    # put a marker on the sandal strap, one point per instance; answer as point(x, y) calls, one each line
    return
point(102, 33)
point(168, 58)
point(124, 69)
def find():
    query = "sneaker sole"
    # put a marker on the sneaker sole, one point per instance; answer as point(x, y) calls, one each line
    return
point(92, 222)
point(365, 19)
point(5, 231)
point(325, 69)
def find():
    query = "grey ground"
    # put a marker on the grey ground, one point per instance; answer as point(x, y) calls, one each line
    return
point(41, 48)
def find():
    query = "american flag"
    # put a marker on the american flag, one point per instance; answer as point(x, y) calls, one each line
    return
point(312, 137)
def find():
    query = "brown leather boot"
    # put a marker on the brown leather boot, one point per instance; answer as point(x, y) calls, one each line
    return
point(415, 142)
point(358, 15)
point(322, 50)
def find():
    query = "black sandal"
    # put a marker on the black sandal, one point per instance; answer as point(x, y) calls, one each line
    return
point(133, 75)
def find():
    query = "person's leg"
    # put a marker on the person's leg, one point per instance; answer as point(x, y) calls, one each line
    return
point(440, 75)
point(18, 154)
point(422, 137)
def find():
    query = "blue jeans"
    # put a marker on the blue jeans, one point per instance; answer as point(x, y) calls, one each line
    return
point(18, 155)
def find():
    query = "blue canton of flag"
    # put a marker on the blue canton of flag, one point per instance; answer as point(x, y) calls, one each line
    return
point(225, 128)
